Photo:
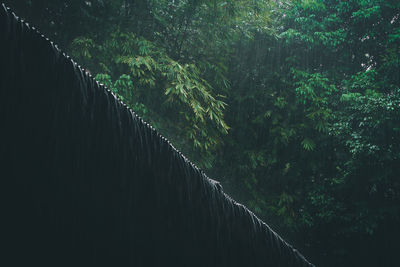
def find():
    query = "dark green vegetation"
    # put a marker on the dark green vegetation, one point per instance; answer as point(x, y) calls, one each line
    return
point(293, 105)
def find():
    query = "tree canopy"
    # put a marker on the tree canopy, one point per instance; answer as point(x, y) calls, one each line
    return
point(294, 105)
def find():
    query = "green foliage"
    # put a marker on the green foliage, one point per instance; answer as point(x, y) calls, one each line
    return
point(159, 89)
point(310, 90)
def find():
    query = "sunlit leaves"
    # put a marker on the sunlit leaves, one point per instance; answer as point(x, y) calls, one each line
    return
point(122, 87)
point(308, 144)
point(366, 10)
point(312, 87)
point(82, 47)
point(152, 82)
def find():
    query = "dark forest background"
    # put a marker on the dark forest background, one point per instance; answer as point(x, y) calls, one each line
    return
point(294, 106)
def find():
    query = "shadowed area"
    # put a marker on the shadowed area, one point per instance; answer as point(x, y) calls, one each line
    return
point(86, 182)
